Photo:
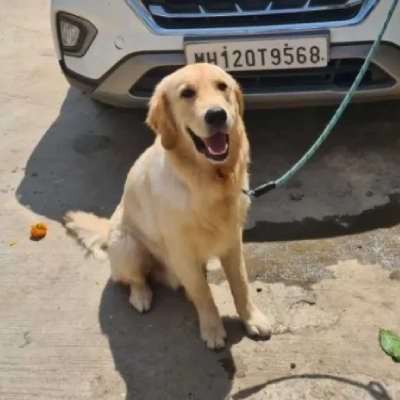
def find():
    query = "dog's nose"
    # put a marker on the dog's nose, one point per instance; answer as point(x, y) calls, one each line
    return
point(216, 116)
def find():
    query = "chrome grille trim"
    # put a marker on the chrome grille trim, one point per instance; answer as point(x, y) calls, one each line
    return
point(159, 11)
point(145, 15)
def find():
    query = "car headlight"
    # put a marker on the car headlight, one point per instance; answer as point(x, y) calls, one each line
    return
point(75, 34)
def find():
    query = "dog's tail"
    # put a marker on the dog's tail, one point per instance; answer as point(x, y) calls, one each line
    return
point(90, 230)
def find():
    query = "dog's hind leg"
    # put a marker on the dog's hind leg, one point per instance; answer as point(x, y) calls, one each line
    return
point(130, 264)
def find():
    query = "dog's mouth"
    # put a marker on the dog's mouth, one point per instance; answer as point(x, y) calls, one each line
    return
point(215, 147)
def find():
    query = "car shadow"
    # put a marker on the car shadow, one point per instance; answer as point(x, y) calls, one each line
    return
point(351, 185)
point(83, 158)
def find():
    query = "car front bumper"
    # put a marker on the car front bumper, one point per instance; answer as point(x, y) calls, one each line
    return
point(125, 75)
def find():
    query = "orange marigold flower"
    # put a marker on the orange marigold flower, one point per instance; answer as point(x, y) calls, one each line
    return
point(38, 230)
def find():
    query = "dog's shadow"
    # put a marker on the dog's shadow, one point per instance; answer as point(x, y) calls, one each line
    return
point(160, 354)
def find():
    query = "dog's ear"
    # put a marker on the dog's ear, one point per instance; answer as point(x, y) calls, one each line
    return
point(161, 120)
point(239, 98)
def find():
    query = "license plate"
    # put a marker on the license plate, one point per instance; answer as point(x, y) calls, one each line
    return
point(261, 54)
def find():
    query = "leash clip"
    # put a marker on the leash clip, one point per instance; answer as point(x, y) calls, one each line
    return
point(260, 190)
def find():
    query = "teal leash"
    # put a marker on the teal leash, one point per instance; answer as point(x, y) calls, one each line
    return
point(266, 187)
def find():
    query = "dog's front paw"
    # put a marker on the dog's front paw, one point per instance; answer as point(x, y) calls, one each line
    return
point(141, 298)
point(257, 324)
point(213, 333)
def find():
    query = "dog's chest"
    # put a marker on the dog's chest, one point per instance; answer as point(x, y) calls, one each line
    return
point(203, 218)
point(211, 228)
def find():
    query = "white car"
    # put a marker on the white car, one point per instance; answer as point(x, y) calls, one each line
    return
point(282, 52)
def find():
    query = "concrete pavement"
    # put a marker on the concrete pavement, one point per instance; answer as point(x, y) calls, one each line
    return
point(322, 253)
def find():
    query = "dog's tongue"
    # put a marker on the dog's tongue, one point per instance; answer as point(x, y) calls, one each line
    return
point(216, 143)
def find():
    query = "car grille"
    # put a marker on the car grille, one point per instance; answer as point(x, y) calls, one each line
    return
point(338, 75)
point(195, 14)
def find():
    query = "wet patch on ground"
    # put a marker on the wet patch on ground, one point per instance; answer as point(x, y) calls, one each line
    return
point(303, 262)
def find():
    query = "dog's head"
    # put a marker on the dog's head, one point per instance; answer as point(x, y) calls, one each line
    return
point(199, 108)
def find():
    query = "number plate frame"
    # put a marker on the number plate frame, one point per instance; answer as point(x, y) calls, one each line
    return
point(226, 40)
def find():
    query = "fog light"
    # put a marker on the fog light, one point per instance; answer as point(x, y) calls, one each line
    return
point(69, 34)
point(75, 34)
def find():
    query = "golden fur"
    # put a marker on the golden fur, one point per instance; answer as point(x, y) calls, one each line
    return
point(180, 208)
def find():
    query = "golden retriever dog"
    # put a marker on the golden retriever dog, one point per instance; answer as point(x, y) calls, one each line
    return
point(182, 203)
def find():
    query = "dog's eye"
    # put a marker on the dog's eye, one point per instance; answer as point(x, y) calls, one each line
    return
point(222, 86)
point(188, 93)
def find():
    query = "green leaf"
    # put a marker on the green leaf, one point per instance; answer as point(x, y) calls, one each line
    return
point(390, 344)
